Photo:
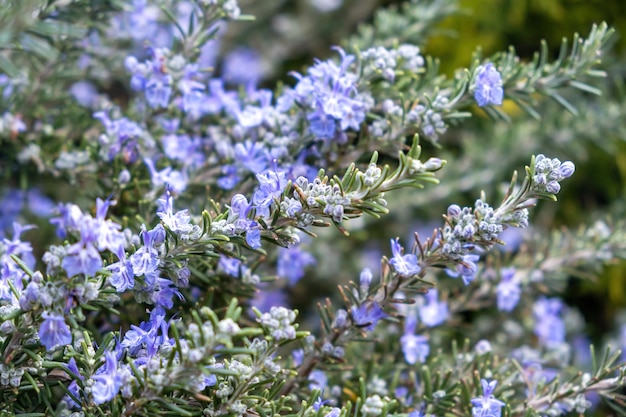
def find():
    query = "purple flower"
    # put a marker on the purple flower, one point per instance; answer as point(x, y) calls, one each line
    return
point(253, 235)
point(164, 292)
point(230, 266)
point(433, 312)
point(122, 136)
point(251, 155)
point(70, 219)
point(319, 403)
point(266, 298)
point(365, 279)
point(194, 99)
point(298, 356)
point(54, 331)
point(82, 258)
point(549, 325)
point(466, 269)
point(146, 333)
point(508, 291)
point(73, 388)
point(146, 259)
point(122, 277)
point(173, 179)
point(230, 178)
point(219, 99)
point(367, 315)
point(108, 233)
point(292, 262)
point(487, 405)
point(85, 93)
point(239, 207)
point(322, 125)
point(415, 348)
point(271, 186)
point(29, 297)
point(158, 91)
point(179, 222)
point(488, 86)
point(253, 116)
point(317, 380)
point(403, 264)
point(107, 380)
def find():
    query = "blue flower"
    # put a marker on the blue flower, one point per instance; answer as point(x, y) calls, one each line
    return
point(164, 292)
point(415, 348)
point(488, 86)
point(317, 380)
point(174, 179)
point(466, 269)
point(549, 325)
point(107, 380)
point(243, 66)
point(146, 333)
point(122, 277)
point(367, 315)
point(322, 125)
point(253, 236)
point(230, 266)
point(433, 312)
point(82, 258)
point(179, 222)
point(230, 178)
point(487, 405)
point(403, 264)
point(271, 186)
point(73, 388)
point(251, 155)
point(146, 259)
point(29, 297)
point(508, 291)
point(54, 331)
point(108, 233)
point(158, 91)
point(291, 263)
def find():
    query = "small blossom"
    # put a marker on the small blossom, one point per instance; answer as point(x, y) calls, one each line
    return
point(488, 86)
point(368, 314)
point(466, 269)
point(107, 381)
point(508, 291)
point(54, 331)
point(122, 276)
point(415, 348)
point(487, 405)
point(549, 324)
point(403, 264)
point(292, 263)
point(433, 312)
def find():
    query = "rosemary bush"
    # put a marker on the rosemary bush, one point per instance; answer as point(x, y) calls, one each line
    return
point(188, 232)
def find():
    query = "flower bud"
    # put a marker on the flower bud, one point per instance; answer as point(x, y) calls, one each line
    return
point(454, 210)
point(566, 169)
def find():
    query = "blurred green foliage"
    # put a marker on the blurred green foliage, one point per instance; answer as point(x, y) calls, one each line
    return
point(495, 24)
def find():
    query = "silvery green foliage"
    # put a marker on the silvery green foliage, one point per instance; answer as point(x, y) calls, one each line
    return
point(191, 207)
